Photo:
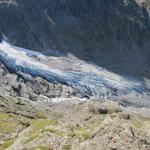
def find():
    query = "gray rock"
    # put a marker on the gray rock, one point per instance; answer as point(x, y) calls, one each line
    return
point(32, 88)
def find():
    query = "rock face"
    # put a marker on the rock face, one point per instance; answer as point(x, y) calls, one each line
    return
point(32, 88)
point(114, 34)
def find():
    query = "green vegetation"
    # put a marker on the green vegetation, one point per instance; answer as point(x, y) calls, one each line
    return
point(38, 125)
point(80, 133)
point(7, 144)
point(41, 115)
point(4, 116)
point(137, 123)
point(42, 148)
point(67, 147)
point(41, 123)
point(5, 125)
point(54, 131)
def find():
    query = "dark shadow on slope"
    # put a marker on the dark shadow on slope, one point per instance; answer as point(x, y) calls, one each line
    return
point(113, 34)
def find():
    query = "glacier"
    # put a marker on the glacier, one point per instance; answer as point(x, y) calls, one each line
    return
point(57, 67)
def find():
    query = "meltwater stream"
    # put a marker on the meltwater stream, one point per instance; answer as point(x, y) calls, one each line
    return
point(57, 67)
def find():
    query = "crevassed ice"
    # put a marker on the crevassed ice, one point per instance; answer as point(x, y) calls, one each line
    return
point(90, 79)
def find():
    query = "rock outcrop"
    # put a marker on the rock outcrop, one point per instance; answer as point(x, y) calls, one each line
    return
point(22, 85)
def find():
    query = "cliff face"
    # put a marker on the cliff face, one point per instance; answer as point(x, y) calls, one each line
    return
point(113, 34)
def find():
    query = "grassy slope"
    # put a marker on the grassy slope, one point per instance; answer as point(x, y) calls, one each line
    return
point(73, 125)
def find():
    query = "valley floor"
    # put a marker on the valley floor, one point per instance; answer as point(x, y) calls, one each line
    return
point(72, 125)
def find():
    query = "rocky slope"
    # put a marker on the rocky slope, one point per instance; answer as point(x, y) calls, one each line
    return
point(72, 125)
point(114, 34)
point(35, 89)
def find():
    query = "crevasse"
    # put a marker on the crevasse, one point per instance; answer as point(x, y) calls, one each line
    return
point(56, 67)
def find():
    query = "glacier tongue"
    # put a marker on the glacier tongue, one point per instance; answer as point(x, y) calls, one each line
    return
point(57, 67)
